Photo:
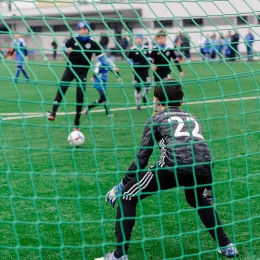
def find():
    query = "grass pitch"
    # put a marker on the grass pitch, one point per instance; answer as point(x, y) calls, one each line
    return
point(52, 195)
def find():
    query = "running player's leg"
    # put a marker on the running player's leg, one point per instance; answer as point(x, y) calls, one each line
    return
point(97, 101)
point(24, 72)
point(103, 98)
point(156, 80)
point(80, 92)
point(18, 69)
point(137, 92)
point(138, 188)
point(67, 77)
point(147, 85)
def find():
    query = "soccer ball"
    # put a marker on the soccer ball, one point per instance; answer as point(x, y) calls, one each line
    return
point(76, 138)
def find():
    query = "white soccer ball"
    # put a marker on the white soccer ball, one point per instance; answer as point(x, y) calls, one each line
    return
point(76, 138)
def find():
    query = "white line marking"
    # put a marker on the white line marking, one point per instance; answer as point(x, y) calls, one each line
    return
point(13, 116)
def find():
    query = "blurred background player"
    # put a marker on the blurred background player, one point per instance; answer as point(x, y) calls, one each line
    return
point(100, 79)
point(104, 40)
point(249, 40)
point(124, 45)
point(138, 57)
point(54, 48)
point(187, 164)
point(20, 50)
point(80, 49)
point(161, 56)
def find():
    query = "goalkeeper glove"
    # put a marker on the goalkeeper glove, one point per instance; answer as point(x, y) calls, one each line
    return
point(112, 195)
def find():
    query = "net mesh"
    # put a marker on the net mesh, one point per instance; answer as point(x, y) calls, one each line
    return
point(53, 195)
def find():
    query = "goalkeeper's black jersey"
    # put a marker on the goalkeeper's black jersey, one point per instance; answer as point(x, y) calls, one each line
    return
point(82, 52)
point(179, 137)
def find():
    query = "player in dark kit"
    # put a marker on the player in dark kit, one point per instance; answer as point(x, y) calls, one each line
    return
point(185, 161)
point(161, 56)
point(81, 49)
point(138, 57)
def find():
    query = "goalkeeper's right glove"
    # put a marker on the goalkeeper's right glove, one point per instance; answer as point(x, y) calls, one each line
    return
point(112, 195)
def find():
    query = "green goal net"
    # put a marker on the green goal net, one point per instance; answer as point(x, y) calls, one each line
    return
point(52, 194)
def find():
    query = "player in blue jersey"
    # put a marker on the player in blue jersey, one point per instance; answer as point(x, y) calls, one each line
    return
point(99, 78)
point(185, 161)
point(80, 49)
point(20, 50)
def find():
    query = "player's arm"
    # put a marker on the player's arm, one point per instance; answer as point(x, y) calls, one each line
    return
point(68, 45)
point(116, 70)
point(152, 56)
point(148, 58)
point(25, 51)
point(142, 158)
point(12, 52)
point(139, 163)
point(24, 47)
point(95, 76)
point(106, 62)
point(130, 58)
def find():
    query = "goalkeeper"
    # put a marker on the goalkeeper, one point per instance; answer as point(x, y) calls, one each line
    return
point(80, 49)
point(185, 161)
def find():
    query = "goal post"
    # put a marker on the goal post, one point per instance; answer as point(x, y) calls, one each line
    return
point(53, 195)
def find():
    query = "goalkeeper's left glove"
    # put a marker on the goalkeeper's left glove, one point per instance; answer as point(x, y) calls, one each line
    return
point(112, 195)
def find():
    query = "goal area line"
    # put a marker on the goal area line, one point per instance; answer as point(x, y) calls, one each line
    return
point(14, 116)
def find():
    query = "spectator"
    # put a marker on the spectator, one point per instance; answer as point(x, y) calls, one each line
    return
point(234, 46)
point(124, 45)
point(202, 43)
point(208, 47)
point(2, 53)
point(54, 47)
point(178, 39)
point(220, 45)
point(185, 46)
point(9, 6)
point(104, 40)
point(214, 44)
point(178, 42)
point(249, 40)
point(226, 46)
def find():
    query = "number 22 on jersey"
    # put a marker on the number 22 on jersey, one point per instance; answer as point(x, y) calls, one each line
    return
point(195, 129)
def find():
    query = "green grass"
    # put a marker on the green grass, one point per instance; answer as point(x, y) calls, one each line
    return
point(52, 195)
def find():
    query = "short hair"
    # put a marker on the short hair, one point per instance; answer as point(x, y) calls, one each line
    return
point(169, 92)
point(161, 33)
